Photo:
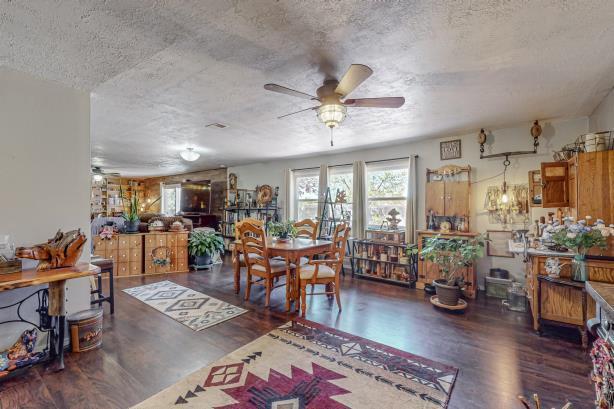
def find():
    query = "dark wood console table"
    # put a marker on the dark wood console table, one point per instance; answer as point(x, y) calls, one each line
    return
point(56, 294)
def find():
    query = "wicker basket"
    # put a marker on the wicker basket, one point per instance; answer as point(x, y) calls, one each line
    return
point(595, 142)
point(161, 256)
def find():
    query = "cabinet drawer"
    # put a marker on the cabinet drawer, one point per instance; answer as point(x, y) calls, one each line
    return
point(123, 242)
point(100, 250)
point(134, 255)
point(123, 269)
point(149, 267)
point(171, 240)
point(135, 268)
point(123, 255)
point(150, 241)
point(112, 243)
point(182, 239)
point(135, 242)
point(160, 240)
point(182, 265)
point(112, 255)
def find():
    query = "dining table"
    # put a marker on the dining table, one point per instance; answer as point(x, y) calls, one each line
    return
point(291, 250)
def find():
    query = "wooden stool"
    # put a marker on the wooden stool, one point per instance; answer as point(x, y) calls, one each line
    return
point(106, 266)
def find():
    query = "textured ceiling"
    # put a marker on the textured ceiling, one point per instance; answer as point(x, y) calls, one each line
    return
point(159, 71)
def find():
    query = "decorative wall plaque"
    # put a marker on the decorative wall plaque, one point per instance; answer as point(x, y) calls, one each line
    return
point(450, 149)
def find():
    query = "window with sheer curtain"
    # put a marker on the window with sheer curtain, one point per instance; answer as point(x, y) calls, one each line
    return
point(340, 178)
point(171, 199)
point(386, 190)
point(306, 193)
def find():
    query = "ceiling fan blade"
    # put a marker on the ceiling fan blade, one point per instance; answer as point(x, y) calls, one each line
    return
point(297, 112)
point(355, 75)
point(288, 91)
point(386, 102)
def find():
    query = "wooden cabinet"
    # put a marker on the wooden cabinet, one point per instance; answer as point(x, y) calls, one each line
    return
point(555, 184)
point(132, 253)
point(447, 193)
point(125, 250)
point(592, 179)
point(428, 271)
point(162, 244)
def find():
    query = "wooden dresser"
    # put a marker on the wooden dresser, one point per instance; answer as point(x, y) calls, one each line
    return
point(177, 245)
point(132, 253)
point(562, 301)
point(428, 271)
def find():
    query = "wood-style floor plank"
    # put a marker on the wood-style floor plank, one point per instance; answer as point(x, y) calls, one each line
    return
point(144, 351)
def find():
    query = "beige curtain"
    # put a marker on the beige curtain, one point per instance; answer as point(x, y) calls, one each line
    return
point(322, 186)
point(288, 204)
point(359, 199)
point(412, 202)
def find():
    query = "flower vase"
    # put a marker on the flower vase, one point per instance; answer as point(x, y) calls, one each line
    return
point(578, 268)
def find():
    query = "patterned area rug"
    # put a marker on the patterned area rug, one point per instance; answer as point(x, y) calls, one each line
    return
point(191, 308)
point(306, 365)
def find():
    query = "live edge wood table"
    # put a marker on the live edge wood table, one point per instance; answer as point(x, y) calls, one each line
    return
point(56, 279)
point(291, 251)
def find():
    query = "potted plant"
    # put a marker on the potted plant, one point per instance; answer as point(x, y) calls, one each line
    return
point(452, 255)
point(580, 237)
point(282, 230)
point(203, 245)
point(131, 214)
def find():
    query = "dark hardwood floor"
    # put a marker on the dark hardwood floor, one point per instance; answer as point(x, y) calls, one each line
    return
point(145, 351)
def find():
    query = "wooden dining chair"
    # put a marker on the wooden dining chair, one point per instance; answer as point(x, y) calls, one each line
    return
point(306, 229)
point(326, 271)
point(253, 240)
point(237, 251)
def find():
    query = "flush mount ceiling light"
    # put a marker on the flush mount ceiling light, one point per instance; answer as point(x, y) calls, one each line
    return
point(333, 100)
point(97, 177)
point(189, 155)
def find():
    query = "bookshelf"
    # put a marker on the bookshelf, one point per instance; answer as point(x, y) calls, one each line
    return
point(105, 199)
point(382, 256)
point(240, 204)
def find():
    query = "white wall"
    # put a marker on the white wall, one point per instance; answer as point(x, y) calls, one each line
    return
point(44, 171)
point(602, 118)
point(555, 134)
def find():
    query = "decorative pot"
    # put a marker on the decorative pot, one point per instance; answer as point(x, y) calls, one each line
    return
point(447, 294)
point(578, 268)
point(203, 260)
point(132, 227)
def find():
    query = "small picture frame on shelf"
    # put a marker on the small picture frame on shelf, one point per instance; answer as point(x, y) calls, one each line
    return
point(450, 149)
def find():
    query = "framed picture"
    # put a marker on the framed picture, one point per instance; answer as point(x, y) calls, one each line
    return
point(450, 149)
point(498, 243)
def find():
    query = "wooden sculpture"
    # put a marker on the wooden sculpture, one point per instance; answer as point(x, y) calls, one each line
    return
point(63, 250)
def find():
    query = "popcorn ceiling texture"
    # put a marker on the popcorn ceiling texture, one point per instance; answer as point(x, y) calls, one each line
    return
point(159, 71)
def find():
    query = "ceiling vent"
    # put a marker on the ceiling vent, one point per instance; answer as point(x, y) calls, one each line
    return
point(216, 125)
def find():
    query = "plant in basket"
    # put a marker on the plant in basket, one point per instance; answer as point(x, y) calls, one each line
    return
point(282, 230)
point(452, 256)
point(203, 245)
point(131, 214)
point(580, 237)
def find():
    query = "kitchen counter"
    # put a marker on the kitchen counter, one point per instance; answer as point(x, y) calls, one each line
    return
point(518, 248)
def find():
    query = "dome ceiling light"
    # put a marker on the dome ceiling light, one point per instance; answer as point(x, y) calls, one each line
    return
point(189, 155)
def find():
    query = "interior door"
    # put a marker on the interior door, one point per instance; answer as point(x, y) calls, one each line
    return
point(555, 184)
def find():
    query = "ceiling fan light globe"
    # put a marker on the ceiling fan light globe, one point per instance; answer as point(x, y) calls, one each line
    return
point(189, 155)
point(97, 177)
point(332, 115)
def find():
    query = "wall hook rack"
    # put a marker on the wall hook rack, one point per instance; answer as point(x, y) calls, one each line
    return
point(536, 131)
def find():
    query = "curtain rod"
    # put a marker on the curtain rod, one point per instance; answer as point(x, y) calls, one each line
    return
point(350, 164)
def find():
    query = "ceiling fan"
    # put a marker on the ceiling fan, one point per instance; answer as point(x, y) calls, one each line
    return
point(98, 174)
point(333, 97)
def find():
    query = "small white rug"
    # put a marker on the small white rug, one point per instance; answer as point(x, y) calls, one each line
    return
point(191, 308)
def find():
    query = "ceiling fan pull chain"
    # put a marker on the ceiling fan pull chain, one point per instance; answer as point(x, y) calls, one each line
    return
point(331, 136)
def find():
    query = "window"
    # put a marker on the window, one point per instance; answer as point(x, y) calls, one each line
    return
point(306, 193)
point(171, 199)
point(341, 178)
point(386, 190)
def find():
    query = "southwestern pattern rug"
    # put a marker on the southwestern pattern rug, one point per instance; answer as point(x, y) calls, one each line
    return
point(306, 365)
point(191, 308)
